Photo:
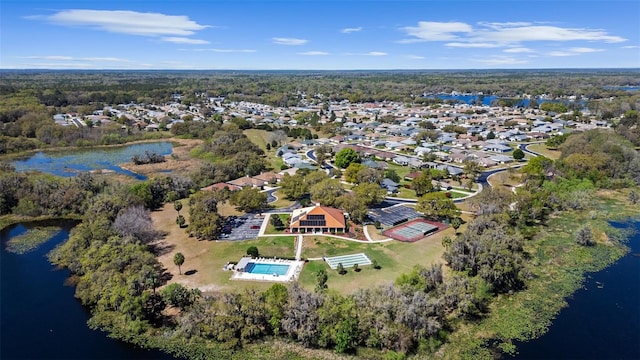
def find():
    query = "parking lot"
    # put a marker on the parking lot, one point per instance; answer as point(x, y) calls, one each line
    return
point(242, 227)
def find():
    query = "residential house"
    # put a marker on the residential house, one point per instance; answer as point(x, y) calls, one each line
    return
point(502, 159)
point(401, 160)
point(246, 181)
point(499, 148)
point(221, 186)
point(268, 177)
point(390, 185)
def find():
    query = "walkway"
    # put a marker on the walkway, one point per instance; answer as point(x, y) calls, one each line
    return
point(365, 231)
point(299, 248)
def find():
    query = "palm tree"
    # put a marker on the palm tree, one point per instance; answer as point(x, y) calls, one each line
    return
point(178, 259)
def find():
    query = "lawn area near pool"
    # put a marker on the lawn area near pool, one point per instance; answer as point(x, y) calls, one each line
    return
point(204, 260)
point(394, 257)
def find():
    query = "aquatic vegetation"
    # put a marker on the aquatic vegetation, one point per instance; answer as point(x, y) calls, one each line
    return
point(30, 240)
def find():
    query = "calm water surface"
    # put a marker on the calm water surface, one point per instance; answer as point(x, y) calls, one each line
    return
point(40, 318)
point(70, 163)
point(603, 318)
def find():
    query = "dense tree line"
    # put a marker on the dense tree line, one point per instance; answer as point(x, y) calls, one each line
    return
point(229, 155)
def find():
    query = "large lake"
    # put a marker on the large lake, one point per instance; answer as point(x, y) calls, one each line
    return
point(488, 100)
point(40, 317)
point(602, 320)
point(69, 163)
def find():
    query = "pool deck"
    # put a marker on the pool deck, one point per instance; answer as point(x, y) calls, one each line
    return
point(295, 267)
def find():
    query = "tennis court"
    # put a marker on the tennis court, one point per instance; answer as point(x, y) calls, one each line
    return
point(414, 230)
point(348, 260)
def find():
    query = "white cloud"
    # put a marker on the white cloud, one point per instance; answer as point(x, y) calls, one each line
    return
point(487, 35)
point(222, 50)
point(351, 30)
point(184, 40)
point(471, 45)
point(502, 60)
point(631, 47)
point(127, 22)
point(370, 53)
point(497, 25)
point(174, 28)
point(584, 50)
point(574, 51)
point(518, 50)
point(59, 65)
point(313, 53)
point(415, 57)
point(103, 59)
point(51, 57)
point(71, 58)
point(289, 41)
point(435, 31)
point(561, 53)
point(517, 34)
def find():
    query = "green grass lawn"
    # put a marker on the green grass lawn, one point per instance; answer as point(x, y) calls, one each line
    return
point(544, 150)
point(394, 258)
point(405, 193)
point(271, 229)
point(260, 138)
point(281, 202)
point(219, 253)
point(402, 171)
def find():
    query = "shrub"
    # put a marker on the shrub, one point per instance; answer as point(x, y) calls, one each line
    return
point(253, 251)
point(584, 236)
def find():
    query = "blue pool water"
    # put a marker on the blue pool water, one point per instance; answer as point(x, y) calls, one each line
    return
point(267, 269)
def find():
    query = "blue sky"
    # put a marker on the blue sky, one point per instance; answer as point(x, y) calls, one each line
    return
point(326, 35)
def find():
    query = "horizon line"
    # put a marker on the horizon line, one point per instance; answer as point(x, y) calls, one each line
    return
point(323, 70)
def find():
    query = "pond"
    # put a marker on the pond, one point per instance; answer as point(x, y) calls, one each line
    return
point(602, 320)
point(70, 163)
point(40, 317)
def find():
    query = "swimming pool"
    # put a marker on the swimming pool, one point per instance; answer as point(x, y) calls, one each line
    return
point(267, 269)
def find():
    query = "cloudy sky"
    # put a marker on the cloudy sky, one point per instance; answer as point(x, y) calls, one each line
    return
point(359, 34)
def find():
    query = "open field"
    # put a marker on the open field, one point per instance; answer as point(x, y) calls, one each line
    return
point(544, 150)
point(505, 179)
point(226, 209)
point(204, 260)
point(261, 138)
point(394, 257)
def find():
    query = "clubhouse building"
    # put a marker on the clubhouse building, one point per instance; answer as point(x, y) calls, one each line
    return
point(317, 219)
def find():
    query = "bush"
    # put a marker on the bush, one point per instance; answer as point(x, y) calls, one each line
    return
point(375, 264)
point(584, 236)
point(253, 251)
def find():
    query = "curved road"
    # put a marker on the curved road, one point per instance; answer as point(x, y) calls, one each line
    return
point(524, 148)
